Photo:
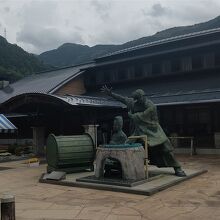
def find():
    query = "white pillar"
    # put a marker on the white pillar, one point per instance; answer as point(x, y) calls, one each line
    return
point(92, 131)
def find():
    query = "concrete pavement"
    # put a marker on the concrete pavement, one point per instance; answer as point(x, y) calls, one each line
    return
point(198, 198)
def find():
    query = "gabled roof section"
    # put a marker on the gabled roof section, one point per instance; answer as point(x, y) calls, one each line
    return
point(159, 42)
point(45, 83)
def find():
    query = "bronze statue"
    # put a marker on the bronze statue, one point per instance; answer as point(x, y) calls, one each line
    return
point(144, 120)
point(118, 137)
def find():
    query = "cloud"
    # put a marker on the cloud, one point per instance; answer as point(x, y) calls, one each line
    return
point(45, 38)
point(102, 8)
point(157, 10)
point(44, 28)
point(40, 25)
point(7, 9)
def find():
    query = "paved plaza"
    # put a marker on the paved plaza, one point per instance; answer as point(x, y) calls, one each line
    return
point(198, 198)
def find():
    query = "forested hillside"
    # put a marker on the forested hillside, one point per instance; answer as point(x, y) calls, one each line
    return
point(16, 63)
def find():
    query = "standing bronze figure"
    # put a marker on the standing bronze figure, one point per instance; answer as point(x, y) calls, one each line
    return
point(144, 120)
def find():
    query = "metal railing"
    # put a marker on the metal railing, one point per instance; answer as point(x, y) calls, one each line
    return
point(192, 147)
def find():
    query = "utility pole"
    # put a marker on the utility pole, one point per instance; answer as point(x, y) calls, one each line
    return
point(5, 33)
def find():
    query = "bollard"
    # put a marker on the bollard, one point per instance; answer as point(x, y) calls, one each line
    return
point(7, 207)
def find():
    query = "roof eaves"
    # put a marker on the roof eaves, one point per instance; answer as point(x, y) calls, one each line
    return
point(188, 102)
point(103, 63)
point(163, 41)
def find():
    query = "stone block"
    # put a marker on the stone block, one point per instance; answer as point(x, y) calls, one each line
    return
point(131, 160)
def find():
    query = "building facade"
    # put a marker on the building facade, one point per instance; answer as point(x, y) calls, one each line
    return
point(181, 75)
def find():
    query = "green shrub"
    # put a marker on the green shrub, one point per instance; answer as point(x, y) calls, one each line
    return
point(19, 151)
point(11, 148)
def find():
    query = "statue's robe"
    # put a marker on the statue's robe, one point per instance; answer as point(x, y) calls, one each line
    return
point(145, 121)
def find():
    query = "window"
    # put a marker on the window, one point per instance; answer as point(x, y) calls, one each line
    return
point(122, 74)
point(209, 60)
point(204, 117)
point(166, 67)
point(197, 62)
point(186, 63)
point(107, 76)
point(131, 72)
point(99, 77)
point(91, 79)
point(217, 59)
point(147, 69)
point(179, 117)
point(156, 68)
point(113, 74)
point(138, 71)
point(176, 65)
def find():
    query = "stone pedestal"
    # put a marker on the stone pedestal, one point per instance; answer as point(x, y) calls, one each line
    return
point(131, 159)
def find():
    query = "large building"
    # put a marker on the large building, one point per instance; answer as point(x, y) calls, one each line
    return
point(181, 75)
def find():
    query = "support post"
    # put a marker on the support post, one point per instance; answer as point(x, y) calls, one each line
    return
point(39, 140)
point(7, 207)
point(193, 148)
point(92, 131)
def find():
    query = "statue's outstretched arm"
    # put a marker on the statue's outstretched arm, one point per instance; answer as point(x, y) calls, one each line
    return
point(108, 91)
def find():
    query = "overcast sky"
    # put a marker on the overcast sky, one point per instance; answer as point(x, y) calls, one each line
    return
point(41, 25)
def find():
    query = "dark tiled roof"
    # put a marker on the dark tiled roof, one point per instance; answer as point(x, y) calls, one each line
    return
point(163, 41)
point(42, 83)
point(176, 91)
point(194, 96)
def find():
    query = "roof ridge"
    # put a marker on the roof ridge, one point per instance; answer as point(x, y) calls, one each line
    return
point(164, 40)
point(169, 94)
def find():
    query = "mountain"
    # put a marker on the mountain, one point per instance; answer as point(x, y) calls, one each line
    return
point(175, 31)
point(71, 54)
point(16, 63)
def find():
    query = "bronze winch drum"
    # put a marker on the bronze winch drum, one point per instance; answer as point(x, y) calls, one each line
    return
point(70, 153)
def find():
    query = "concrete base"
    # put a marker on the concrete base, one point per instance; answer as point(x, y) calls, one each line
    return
point(116, 182)
point(166, 179)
